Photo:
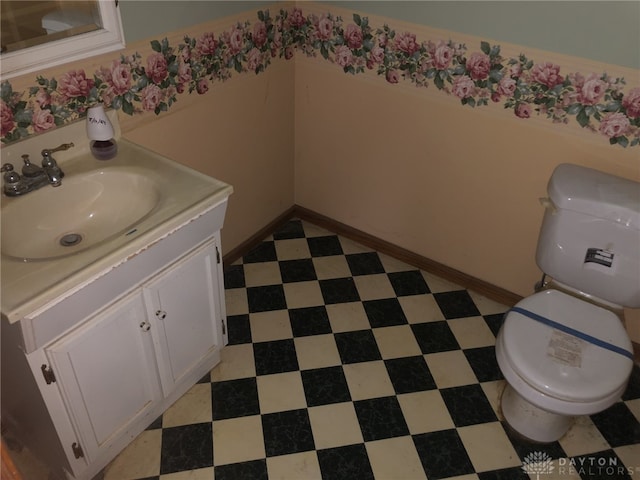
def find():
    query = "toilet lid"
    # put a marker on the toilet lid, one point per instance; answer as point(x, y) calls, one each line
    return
point(570, 366)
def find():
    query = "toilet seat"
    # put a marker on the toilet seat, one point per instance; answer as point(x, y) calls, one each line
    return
point(558, 364)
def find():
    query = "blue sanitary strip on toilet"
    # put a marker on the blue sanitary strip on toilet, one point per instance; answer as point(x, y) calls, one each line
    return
point(574, 332)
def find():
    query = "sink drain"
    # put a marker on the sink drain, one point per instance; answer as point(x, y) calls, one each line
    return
point(70, 239)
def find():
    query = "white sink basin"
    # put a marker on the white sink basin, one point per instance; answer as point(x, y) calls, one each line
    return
point(57, 240)
point(86, 210)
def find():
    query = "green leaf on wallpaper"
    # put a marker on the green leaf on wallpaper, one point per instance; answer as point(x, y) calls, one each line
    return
point(155, 45)
point(485, 47)
point(574, 108)
point(612, 107)
point(357, 19)
point(261, 15)
point(582, 118)
point(127, 107)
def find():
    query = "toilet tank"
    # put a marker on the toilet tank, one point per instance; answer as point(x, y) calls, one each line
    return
point(590, 234)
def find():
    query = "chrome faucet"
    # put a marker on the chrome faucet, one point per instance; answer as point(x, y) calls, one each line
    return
point(34, 177)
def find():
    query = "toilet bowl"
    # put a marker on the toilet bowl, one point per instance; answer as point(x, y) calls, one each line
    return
point(561, 357)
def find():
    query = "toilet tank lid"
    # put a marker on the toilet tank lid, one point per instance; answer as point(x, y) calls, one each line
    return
point(595, 193)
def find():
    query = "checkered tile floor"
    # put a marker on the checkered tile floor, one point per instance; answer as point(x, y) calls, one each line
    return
point(344, 363)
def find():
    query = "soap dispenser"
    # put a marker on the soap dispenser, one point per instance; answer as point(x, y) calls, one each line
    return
point(100, 132)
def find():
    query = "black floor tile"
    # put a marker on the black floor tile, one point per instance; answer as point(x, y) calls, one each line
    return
point(468, 405)
point(494, 322)
point(323, 386)
point(287, 432)
point(234, 277)
point(633, 388)
point(384, 312)
point(442, 454)
point(483, 363)
point(186, 447)
point(380, 418)
point(266, 298)
point(277, 356)
point(408, 283)
point(300, 270)
point(618, 425)
point(409, 374)
point(515, 473)
point(603, 465)
point(324, 246)
point(234, 398)
point(291, 229)
point(358, 346)
point(238, 329)
point(434, 337)
point(456, 304)
point(309, 321)
point(254, 470)
point(264, 252)
point(345, 463)
point(364, 263)
point(339, 290)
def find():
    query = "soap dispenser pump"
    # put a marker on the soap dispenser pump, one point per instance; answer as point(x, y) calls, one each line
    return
point(100, 132)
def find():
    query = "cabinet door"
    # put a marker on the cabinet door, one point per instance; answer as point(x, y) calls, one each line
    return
point(106, 373)
point(183, 307)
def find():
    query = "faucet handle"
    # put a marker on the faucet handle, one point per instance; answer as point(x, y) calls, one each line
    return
point(29, 169)
point(10, 176)
point(46, 153)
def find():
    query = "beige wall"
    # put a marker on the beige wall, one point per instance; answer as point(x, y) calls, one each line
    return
point(415, 168)
point(240, 132)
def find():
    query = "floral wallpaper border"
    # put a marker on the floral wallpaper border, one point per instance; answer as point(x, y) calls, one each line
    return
point(136, 85)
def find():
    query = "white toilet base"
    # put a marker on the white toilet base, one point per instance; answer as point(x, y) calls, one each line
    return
point(533, 422)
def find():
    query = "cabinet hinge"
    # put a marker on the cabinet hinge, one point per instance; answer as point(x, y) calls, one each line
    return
point(47, 373)
point(224, 327)
point(217, 255)
point(77, 450)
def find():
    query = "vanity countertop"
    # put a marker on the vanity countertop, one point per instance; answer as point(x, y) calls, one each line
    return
point(30, 287)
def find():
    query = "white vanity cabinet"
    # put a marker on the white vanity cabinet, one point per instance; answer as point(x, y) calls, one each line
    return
point(105, 372)
point(108, 359)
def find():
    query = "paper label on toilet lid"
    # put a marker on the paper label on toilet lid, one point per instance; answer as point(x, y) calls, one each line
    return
point(565, 348)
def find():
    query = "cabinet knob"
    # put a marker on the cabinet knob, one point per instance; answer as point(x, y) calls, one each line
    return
point(145, 326)
point(161, 314)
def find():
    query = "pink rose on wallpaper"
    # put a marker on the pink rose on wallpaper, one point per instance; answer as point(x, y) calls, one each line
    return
point(296, 18)
point(376, 57)
point(259, 34)
point(631, 102)
point(42, 120)
point(151, 97)
point(288, 53)
point(614, 125)
point(202, 86)
point(325, 28)
point(442, 56)
point(515, 70)
point(507, 86)
point(344, 56)
point(254, 59)
point(206, 44)
point(478, 66)
point(184, 72)
point(157, 67)
point(43, 98)
point(406, 42)
point(547, 74)
point(6, 118)
point(236, 41)
point(74, 83)
point(592, 90)
point(523, 110)
point(463, 86)
point(120, 78)
point(353, 36)
point(393, 76)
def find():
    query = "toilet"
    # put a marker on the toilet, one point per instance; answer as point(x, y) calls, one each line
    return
point(564, 351)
